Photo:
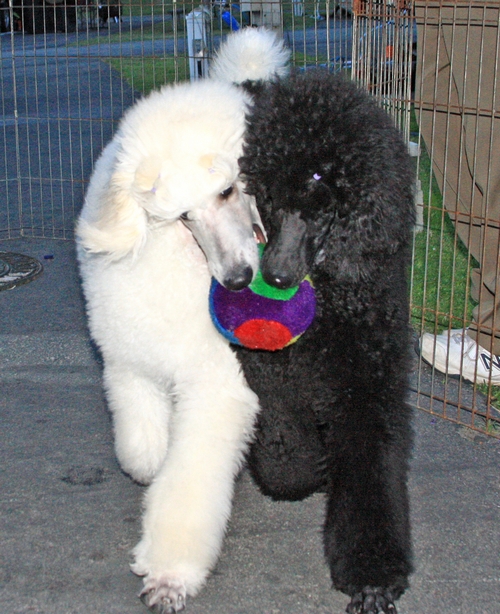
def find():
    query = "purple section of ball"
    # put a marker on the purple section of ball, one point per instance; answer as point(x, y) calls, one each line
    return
point(235, 308)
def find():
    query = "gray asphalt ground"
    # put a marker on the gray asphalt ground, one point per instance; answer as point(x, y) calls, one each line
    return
point(69, 517)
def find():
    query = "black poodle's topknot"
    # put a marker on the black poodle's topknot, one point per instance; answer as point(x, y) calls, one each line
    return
point(316, 126)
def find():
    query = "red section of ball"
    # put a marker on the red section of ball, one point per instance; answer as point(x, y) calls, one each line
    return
point(263, 335)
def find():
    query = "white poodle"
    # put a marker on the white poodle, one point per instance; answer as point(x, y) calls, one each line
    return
point(165, 210)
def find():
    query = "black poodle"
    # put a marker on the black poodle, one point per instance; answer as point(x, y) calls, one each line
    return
point(334, 183)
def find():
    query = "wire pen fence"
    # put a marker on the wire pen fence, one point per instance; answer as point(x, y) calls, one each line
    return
point(70, 69)
point(456, 256)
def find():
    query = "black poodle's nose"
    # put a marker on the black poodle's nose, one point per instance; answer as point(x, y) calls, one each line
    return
point(239, 280)
point(281, 281)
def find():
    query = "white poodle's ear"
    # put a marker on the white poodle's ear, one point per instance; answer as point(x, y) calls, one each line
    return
point(117, 223)
point(147, 176)
point(221, 168)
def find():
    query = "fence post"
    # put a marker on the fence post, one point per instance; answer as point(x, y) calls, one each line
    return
point(198, 32)
point(298, 8)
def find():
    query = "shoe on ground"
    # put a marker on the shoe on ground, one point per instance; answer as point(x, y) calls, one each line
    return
point(455, 353)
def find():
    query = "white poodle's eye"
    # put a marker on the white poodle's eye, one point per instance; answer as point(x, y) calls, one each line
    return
point(185, 217)
point(227, 192)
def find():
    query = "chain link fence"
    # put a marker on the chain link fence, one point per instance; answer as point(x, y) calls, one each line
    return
point(70, 69)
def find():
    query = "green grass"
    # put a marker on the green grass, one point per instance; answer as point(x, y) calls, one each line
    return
point(441, 264)
point(490, 426)
point(149, 31)
point(166, 27)
point(146, 74)
point(440, 296)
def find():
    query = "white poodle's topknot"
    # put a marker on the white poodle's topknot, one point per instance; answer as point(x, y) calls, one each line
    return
point(251, 53)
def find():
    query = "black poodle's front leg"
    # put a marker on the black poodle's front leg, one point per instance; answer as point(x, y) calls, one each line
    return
point(286, 458)
point(367, 533)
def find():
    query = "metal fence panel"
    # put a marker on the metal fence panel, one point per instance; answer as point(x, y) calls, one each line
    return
point(70, 69)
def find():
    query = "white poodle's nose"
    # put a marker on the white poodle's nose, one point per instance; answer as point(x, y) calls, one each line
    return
point(239, 280)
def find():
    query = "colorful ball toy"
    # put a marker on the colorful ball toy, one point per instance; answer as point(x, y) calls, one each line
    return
point(261, 317)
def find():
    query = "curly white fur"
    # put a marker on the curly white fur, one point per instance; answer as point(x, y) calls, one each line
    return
point(153, 229)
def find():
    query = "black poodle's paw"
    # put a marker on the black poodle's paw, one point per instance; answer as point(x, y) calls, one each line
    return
point(372, 601)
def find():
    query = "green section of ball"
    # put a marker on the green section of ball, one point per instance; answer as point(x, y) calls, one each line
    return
point(260, 287)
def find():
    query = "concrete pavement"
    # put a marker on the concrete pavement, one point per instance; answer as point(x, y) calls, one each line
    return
point(69, 517)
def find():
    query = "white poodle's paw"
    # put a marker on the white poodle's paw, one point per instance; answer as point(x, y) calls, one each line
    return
point(166, 584)
point(165, 594)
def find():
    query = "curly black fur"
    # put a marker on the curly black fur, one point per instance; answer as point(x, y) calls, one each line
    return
point(334, 185)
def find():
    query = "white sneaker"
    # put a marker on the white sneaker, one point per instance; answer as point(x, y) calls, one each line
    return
point(455, 353)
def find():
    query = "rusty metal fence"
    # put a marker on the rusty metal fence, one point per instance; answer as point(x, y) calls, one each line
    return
point(457, 106)
point(70, 68)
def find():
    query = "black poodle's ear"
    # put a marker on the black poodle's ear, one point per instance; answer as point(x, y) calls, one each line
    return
point(254, 88)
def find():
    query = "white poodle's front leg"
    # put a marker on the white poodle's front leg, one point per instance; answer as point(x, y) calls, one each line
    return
point(189, 502)
point(141, 411)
